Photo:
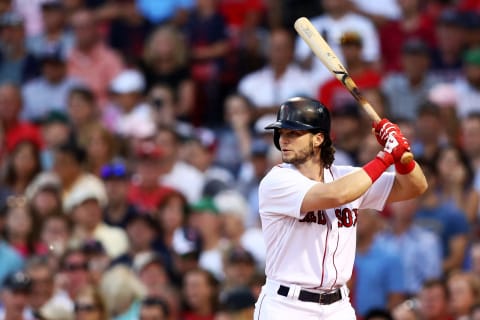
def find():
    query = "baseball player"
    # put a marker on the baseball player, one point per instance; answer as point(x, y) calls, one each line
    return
point(309, 209)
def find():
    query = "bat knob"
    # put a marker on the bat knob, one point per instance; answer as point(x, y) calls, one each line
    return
point(406, 157)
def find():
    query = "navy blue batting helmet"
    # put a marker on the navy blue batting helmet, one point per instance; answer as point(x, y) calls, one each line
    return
point(301, 113)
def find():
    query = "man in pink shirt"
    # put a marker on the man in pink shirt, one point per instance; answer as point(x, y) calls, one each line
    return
point(91, 60)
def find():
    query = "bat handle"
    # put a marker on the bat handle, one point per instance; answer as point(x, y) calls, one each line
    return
point(406, 157)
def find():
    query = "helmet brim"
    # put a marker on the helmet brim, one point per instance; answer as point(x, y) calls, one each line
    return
point(288, 124)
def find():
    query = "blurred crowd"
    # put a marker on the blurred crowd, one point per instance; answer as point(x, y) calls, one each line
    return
point(132, 144)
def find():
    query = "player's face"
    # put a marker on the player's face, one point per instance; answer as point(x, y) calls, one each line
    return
point(296, 146)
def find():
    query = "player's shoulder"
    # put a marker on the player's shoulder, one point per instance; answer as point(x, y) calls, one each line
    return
point(279, 172)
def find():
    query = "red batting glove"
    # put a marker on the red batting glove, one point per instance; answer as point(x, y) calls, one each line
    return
point(382, 129)
point(396, 144)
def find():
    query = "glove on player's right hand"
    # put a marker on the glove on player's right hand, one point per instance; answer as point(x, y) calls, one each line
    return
point(396, 144)
point(382, 129)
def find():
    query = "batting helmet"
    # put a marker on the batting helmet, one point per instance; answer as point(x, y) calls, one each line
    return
point(301, 114)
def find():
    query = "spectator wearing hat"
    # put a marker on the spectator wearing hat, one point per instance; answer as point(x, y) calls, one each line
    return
point(239, 267)
point(116, 178)
point(123, 293)
point(133, 116)
point(176, 173)
point(98, 259)
point(44, 294)
point(14, 295)
point(450, 34)
point(204, 218)
point(413, 22)
point(405, 91)
point(48, 92)
point(233, 210)
point(54, 33)
point(238, 303)
point(467, 88)
point(17, 65)
point(332, 93)
point(56, 131)
point(141, 230)
point(23, 162)
point(145, 190)
point(43, 195)
point(68, 165)
point(200, 151)
point(91, 60)
point(154, 309)
point(85, 205)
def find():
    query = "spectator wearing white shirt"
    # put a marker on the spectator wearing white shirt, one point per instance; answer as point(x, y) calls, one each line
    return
point(50, 91)
point(279, 80)
point(337, 20)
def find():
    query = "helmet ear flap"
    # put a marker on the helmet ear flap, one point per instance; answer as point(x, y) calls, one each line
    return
point(276, 138)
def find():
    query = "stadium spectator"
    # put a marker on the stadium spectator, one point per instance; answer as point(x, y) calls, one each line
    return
point(335, 21)
point(166, 61)
point(91, 60)
point(55, 33)
point(200, 293)
point(281, 78)
point(50, 90)
point(14, 295)
point(17, 65)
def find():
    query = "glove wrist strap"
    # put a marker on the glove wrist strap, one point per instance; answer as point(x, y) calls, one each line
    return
point(377, 166)
point(404, 168)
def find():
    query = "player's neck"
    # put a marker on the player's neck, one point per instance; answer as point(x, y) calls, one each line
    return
point(311, 170)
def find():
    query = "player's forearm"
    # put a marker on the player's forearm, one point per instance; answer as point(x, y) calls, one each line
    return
point(338, 192)
point(408, 186)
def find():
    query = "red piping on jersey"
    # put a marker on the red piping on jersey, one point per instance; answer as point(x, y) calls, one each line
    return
point(324, 255)
point(333, 260)
point(260, 307)
point(326, 244)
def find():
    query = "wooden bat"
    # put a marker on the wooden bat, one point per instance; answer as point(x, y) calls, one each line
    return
point(322, 51)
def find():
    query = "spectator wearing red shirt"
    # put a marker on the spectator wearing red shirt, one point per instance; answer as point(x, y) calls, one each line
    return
point(393, 34)
point(14, 129)
point(145, 191)
point(332, 93)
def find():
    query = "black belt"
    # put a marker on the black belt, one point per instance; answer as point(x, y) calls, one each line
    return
point(322, 298)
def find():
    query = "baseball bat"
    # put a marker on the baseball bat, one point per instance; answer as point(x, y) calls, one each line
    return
point(325, 54)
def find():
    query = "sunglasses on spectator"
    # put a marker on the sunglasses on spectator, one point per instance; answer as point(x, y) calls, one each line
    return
point(85, 307)
point(75, 266)
point(111, 171)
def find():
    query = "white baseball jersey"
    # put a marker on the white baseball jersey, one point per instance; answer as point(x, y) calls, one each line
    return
point(316, 249)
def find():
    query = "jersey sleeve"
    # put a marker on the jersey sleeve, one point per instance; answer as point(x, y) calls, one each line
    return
point(377, 194)
point(281, 192)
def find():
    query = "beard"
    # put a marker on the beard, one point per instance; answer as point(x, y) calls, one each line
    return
point(299, 157)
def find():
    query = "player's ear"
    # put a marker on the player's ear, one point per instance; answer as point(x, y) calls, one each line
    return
point(318, 139)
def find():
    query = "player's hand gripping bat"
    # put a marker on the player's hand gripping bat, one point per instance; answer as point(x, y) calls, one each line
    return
point(322, 50)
